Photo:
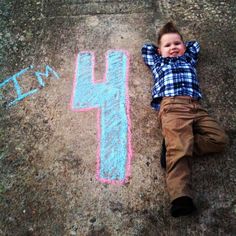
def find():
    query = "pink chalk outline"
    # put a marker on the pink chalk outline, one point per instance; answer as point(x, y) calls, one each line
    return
point(129, 148)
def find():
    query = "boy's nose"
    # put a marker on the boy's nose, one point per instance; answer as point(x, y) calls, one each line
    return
point(173, 48)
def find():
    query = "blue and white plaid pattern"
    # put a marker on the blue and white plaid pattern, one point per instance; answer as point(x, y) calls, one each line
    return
point(173, 76)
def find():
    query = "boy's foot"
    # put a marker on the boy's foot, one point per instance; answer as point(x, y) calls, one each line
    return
point(163, 154)
point(182, 206)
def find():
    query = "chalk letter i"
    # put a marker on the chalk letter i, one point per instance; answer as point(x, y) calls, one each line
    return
point(110, 97)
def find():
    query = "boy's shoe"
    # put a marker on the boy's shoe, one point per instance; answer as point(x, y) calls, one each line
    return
point(163, 154)
point(182, 206)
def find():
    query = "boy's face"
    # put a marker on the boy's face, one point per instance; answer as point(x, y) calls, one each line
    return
point(171, 45)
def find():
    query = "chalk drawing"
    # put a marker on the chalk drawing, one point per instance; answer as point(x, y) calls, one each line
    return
point(48, 70)
point(14, 79)
point(110, 97)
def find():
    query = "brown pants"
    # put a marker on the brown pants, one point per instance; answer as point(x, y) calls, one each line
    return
point(188, 130)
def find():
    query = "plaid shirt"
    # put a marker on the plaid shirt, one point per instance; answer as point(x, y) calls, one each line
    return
point(173, 76)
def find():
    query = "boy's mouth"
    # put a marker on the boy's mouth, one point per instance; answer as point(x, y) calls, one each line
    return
point(174, 54)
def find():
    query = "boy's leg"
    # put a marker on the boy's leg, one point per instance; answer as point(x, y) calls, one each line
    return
point(209, 137)
point(178, 133)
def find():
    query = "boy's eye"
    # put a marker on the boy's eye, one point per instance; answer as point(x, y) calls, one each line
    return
point(177, 43)
point(167, 45)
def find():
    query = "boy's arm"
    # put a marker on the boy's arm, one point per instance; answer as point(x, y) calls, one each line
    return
point(150, 54)
point(193, 48)
point(192, 51)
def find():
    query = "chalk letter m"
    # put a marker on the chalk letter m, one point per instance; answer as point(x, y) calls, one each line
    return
point(110, 98)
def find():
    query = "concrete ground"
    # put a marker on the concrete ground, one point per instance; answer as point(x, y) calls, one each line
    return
point(48, 183)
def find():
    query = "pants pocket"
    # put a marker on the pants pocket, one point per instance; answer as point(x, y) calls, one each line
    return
point(164, 110)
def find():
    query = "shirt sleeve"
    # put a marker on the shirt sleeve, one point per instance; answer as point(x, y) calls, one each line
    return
point(150, 55)
point(192, 51)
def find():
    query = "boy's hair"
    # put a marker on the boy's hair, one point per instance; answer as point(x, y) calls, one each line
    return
point(169, 27)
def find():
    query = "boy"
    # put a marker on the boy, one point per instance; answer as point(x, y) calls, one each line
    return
point(186, 127)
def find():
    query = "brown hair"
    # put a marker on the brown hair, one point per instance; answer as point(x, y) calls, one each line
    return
point(169, 27)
